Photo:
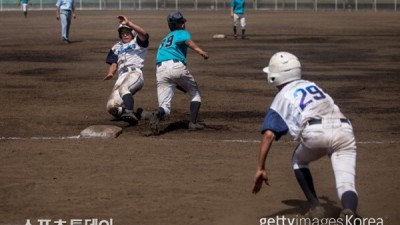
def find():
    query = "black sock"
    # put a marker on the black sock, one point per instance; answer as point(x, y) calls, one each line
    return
point(194, 111)
point(128, 101)
point(304, 178)
point(350, 200)
point(234, 30)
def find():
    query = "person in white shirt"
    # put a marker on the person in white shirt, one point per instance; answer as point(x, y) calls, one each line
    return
point(302, 109)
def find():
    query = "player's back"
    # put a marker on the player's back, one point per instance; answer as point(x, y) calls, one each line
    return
point(311, 101)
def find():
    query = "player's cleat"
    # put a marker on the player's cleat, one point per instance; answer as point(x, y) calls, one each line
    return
point(155, 123)
point(129, 117)
point(195, 126)
point(317, 212)
point(347, 216)
point(66, 41)
point(235, 36)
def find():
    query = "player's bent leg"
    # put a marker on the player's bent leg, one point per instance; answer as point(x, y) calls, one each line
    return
point(301, 158)
point(114, 105)
point(194, 111)
point(128, 114)
point(344, 164)
point(243, 26)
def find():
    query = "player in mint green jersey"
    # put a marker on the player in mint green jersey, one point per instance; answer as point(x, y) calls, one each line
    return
point(237, 13)
point(173, 74)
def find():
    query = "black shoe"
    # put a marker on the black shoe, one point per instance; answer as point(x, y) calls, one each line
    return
point(129, 117)
point(66, 41)
point(195, 126)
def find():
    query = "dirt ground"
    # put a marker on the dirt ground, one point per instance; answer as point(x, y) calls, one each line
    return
point(50, 91)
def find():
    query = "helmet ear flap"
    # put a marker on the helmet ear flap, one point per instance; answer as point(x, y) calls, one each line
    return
point(283, 67)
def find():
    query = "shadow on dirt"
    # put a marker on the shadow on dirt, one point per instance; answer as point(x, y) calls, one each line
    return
point(300, 207)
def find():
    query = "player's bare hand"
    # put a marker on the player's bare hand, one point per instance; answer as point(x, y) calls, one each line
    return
point(123, 20)
point(109, 76)
point(204, 54)
point(259, 178)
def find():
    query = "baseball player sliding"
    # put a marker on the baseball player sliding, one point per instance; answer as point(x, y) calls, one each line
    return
point(126, 58)
point(172, 72)
point(310, 116)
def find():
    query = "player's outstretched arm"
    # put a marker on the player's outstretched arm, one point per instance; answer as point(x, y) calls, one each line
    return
point(191, 44)
point(111, 71)
point(261, 174)
point(142, 34)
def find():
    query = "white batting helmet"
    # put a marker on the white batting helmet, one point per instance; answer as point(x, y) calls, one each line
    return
point(121, 26)
point(283, 67)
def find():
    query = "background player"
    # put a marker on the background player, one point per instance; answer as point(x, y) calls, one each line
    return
point(24, 6)
point(65, 11)
point(172, 72)
point(311, 117)
point(237, 13)
point(127, 57)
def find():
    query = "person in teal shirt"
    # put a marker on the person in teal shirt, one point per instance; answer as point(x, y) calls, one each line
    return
point(24, 6)
point(173, 74)
point(237, 13)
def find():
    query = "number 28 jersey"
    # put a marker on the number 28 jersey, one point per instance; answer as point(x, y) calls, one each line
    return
point(294, 105)
point(173, 46)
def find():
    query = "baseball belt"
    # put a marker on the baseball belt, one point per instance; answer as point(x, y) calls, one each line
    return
point(160, 63)
point(319, 121)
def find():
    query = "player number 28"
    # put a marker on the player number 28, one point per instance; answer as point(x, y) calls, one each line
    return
point(308, 95)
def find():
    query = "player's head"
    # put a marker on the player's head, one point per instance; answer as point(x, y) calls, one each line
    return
point(124, 29)
point(283, 67)
point(176, 21)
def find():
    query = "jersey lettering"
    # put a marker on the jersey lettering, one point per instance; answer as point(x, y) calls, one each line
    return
point(306, 99)
point(167, 43)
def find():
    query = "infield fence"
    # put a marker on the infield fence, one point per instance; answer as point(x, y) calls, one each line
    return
point(273, 5)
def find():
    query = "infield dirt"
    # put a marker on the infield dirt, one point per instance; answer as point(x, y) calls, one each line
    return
point(50, 91)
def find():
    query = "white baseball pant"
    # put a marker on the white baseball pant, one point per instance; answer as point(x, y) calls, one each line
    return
point(173, 74)
point(129, 82)
point(333, 138)
point(239, 19)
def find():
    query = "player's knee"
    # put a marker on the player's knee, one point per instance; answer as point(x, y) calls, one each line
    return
point(296, 165)
point(196, 97)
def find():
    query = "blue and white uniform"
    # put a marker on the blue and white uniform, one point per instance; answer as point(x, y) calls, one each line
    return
point(310, 116)
point(130, 58)
point(172, 72)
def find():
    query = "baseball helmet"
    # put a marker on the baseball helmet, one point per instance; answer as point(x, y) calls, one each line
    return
point(175, 19)
point(121, 26)
point(283, 67)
